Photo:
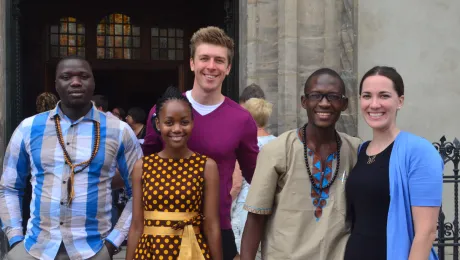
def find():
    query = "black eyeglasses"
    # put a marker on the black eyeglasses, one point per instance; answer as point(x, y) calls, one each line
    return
point(331, 97)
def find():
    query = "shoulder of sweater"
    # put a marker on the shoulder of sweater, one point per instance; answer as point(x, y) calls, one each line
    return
point(413, 142)
point(236, 108)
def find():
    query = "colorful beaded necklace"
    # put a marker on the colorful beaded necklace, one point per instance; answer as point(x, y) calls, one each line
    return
point(319, 186)
point(85, 164)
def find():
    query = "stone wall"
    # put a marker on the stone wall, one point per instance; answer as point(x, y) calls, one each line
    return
point(283, 41)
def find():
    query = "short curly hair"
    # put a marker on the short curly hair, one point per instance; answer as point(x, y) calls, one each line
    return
point(46, 101)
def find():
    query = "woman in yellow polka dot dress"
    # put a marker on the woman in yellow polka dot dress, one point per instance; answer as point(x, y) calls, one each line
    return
point(175, 193)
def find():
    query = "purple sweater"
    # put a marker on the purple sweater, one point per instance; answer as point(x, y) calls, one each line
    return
point(227, 134)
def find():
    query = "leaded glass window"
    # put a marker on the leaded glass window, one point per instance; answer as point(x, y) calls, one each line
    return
point(167, 44)
point(117, 38)
point(67, 38)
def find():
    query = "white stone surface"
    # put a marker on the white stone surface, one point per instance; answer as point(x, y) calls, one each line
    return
point(420, 38)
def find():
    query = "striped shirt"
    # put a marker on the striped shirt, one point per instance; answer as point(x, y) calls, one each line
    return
point(84, 224)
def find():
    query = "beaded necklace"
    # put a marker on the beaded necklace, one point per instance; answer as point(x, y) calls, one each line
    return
point(85, 164)
point(320, 187)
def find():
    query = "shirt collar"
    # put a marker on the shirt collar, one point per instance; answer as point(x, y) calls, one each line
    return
point(92, 115)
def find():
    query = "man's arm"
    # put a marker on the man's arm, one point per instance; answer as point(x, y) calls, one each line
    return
point(271, 164)
point(152, 140)
point(12, 185)
point(252, 235)
point(248, 149)
point(129, 152)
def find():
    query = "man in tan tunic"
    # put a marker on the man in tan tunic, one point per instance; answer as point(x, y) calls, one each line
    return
point(296, 202)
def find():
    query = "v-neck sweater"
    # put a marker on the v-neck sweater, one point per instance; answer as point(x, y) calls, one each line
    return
point(227, 134)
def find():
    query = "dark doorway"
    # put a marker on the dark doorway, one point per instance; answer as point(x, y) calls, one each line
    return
point(128, 88)
point(137, 81)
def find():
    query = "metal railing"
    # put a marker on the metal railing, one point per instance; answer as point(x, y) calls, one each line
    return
point(448, 231)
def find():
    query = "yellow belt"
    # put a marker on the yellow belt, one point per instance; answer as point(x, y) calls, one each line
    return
point(189, 247)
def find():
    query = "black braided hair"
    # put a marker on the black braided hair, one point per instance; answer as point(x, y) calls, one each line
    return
point(171, 93)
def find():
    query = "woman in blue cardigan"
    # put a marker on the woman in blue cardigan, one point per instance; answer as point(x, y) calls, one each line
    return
point(395, 190)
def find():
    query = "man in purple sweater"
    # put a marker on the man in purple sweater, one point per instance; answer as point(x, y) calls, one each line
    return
point(223, 130)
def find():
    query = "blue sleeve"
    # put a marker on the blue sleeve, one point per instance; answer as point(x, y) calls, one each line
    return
point(130, 151)
point(425, 175)
point(12, 184)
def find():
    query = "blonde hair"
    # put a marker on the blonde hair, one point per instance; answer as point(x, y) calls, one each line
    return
point(260, 110)
point(212, 35)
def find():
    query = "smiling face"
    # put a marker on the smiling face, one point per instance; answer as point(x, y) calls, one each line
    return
point(380, 102)
point(74, 83)
point(210, 65)
point(175, 123)
point(323, 113)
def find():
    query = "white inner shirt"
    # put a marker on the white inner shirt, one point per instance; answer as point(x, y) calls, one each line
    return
point(201, 109)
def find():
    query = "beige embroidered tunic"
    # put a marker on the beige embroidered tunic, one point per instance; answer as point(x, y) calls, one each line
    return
point(281, 188)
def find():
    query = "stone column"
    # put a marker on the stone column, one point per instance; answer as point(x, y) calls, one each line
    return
point(283, 41)
point(286, 97)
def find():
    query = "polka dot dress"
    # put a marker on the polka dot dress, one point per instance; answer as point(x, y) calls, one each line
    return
point(171, 186)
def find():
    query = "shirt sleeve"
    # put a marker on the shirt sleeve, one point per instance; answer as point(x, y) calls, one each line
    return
point(271, 165)
point(248, 149)
point(152, 140)
point(12, 185)
point(130, 151)
point(425, 175)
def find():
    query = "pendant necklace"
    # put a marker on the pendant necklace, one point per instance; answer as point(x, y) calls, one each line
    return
point(83, 165)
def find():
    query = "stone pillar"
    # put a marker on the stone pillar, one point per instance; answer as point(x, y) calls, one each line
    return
point(283, 41)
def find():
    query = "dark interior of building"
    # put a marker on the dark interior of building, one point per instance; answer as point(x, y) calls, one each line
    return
point(136, 48)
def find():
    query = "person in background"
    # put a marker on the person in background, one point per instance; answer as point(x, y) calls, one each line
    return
point(119, 112)
point(102, 104)
point(46, 101)
point(251, 91)
point(136, 120)
point(394, 192)
point(260, 110)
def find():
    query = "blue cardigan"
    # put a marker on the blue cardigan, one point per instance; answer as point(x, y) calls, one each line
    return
point(415, 180)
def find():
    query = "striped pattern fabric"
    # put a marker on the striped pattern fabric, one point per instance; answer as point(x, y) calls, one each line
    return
point(84, 224)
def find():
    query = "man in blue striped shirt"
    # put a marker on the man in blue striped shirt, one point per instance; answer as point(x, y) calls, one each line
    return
point(71, 153)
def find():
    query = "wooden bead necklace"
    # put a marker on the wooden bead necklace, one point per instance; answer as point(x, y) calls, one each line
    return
point(320, 187)
point(85, 164)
